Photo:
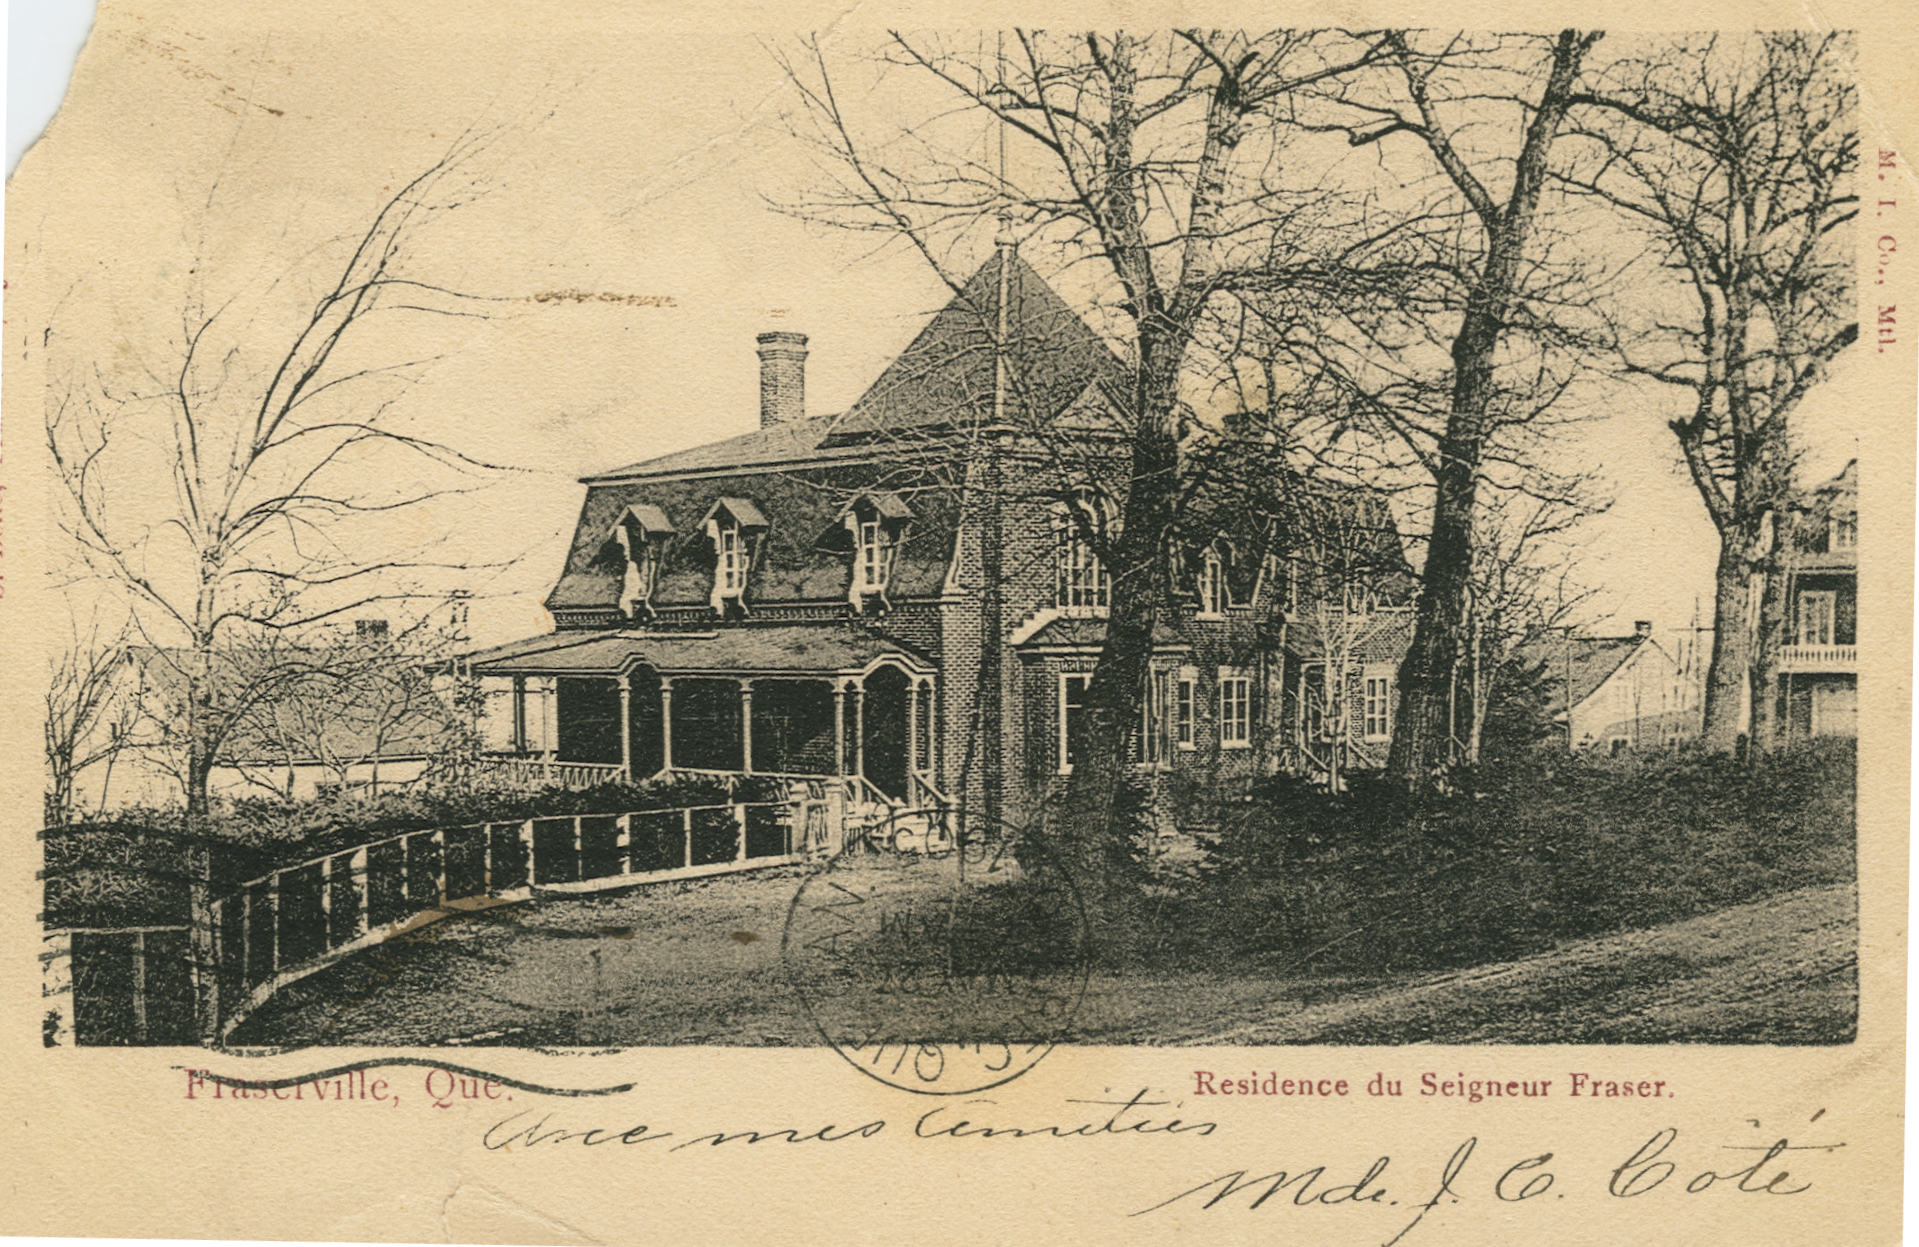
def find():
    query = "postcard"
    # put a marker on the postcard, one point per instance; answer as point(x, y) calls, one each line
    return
point(677, 625)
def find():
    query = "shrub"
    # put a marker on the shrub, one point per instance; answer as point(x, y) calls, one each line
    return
point(1542, 850)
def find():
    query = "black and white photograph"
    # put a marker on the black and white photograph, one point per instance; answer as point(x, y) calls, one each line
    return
point(942, 549)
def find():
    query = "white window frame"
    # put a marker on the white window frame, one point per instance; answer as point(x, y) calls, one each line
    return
point(873, 557)
point(729, 574)
point(1376, 690)
point(1154, 726)
point(1081, 583)
point(1212, 584)
point(1186, 710)
point(1067, 678)
point(1829, 600)
point(1235, 701)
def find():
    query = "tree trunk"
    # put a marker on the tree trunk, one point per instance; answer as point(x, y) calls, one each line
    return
point(1726, 671)
point(1096, 840)
point(1768, 725)
point(1422, 746)
point(203, 928)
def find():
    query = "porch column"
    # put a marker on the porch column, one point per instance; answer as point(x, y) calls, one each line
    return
point(913, 728)
point(666, 723)
point(859, 728)
point(746, 726)
point(519, 715)
point(839, 729)
point(626, 726)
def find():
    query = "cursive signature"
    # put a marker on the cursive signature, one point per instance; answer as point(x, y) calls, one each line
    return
point(1655, 1165)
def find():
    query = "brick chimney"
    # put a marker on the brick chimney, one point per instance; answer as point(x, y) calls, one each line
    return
point(782, 377)
point(1642, 627)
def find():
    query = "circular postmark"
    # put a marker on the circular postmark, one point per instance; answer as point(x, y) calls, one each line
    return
point(936, 967)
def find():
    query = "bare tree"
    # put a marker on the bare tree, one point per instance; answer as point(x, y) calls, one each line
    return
point(1144, 161)
point(1483, 241)
point(1734, 156)
point(1522, 587)
point(230, 497)
point(89, 715)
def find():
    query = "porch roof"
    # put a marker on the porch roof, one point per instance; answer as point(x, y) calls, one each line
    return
point(777, 649)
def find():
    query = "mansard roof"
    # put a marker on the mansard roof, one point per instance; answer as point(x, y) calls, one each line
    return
point(789, 563)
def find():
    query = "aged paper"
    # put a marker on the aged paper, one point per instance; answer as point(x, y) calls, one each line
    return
point(557, 567)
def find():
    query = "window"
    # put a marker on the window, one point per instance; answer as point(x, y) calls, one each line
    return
point(875, 559)
point(1379, 707)
point(642, 532)
point(1235, 711)
point(1186, 710)
point(1212, 583)
point(1816, 612)
point(1083, 584)
point(731, 577)
point(1842, 532)
point(1152, 721)
point(1072, 706)
point(733, 526)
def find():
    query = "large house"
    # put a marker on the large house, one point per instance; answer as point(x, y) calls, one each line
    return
point(1819, 663)
point(909, 596)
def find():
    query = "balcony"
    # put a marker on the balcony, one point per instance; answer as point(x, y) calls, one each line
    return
point(1810, 658)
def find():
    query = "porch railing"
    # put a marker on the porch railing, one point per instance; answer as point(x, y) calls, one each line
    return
point(546, 772)
point(1837, 658)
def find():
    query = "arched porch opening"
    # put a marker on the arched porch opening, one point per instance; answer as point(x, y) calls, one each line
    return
point(884, 730)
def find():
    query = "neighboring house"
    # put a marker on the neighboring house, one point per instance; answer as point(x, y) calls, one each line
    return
point(909, 594)
point(357, 714)
point(1613, 693)
point(1819, 663)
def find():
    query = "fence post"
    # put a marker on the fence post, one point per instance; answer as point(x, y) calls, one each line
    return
point(739, 820)
point(526, 838)
point(439, 841)
point(579, 857)
point(686, 830)
point(624, 842)
point(273, 903)
point(140, 987)
point(362, 893)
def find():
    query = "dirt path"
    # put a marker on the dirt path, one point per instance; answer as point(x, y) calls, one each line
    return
point(699, 963)
point(1781, 970)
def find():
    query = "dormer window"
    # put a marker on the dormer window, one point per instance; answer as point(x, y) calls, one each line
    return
point(875, 524)
point(1082, 584)
point(875, 561)
point(1212, 583)
point(1842, 532)
point(642, 533)
point(732, 571)
point(734, 525)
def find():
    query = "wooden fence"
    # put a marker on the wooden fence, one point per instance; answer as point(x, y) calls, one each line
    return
point(135, 986)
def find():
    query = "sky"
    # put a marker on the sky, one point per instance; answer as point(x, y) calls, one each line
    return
point(638, 168)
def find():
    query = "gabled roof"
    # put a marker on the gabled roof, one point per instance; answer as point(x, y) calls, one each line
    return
point(947, 377)
point(1580, 664)
point(650, 517)
point(944, 380)
point(311, 705)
